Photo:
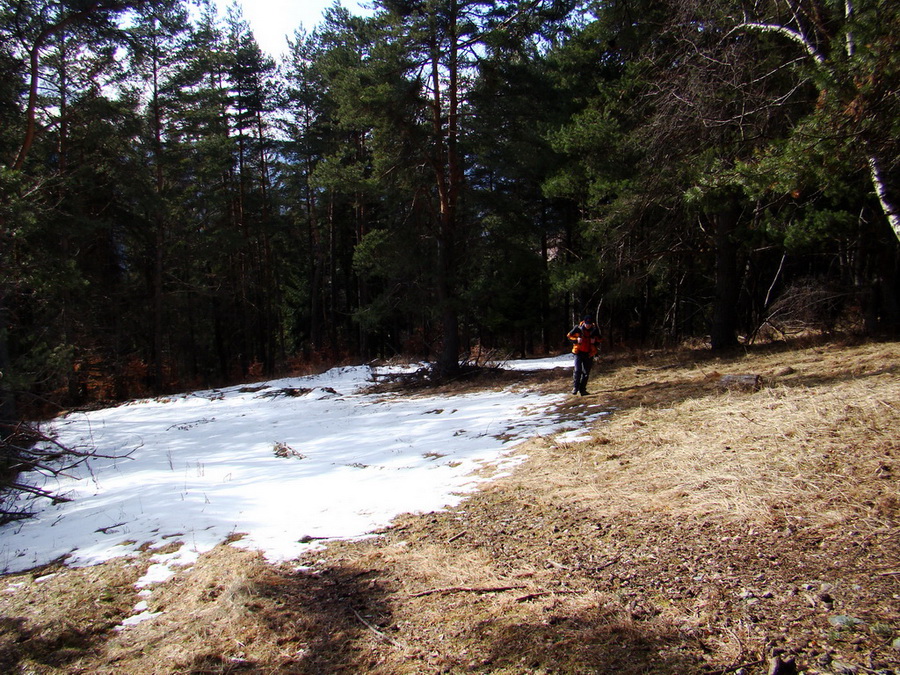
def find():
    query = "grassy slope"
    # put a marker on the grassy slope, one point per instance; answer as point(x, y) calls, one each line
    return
point(699, 530)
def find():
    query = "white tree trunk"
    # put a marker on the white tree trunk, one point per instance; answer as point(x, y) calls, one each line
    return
point(886, 205)
point(797, 35)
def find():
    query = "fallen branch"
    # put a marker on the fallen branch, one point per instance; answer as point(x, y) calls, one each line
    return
point(10, 516)
point(377, 632)
point(65, 450)
point(457, 536)
point(464, 589)
point(25, 448)
point(540, 594)
point(608, 563)
point(21, 487)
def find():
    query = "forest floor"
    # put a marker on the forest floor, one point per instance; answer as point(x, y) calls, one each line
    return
point(699, 527)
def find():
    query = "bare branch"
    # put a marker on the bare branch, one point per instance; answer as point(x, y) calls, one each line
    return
point(25, 448)
point(40, 492)
point(790, 33)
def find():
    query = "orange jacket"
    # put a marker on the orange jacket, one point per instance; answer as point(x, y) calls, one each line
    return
point(585, 340)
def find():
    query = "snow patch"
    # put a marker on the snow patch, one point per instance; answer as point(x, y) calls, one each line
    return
point(200, 468)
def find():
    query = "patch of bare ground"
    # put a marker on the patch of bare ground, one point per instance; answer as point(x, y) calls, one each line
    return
point(712, 523)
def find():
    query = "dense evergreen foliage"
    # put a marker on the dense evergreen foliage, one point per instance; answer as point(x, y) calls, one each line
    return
point(443, 177)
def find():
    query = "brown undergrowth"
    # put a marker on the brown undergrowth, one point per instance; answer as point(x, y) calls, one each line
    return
point(695, 529)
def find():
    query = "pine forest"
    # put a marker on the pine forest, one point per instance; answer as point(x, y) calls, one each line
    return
point(438, 180)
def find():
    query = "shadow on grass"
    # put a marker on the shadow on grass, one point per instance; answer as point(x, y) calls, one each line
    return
point(48, 645)
point(348, 620)
point(231, 613)
point(67, 616)
point(594, 640)
point(324, 621)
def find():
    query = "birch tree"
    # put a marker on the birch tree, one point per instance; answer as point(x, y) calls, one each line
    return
point(851, 46)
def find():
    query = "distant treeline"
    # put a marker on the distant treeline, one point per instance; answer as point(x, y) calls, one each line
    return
point(442, 178)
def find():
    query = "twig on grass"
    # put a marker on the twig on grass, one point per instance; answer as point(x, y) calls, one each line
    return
point(377, 632)
point(540, 594)
point(464, 589)
point(457, 536)
point(608, 563)
point(731, 669)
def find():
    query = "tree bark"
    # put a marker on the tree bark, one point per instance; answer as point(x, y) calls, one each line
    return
point(723, 331)
point(7, 397)
point(881, 191)
point(448, 178)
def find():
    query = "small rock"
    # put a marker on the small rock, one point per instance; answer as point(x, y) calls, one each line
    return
point(739, 382)
point(844, 621)
point(779, 666)
point(896, 644)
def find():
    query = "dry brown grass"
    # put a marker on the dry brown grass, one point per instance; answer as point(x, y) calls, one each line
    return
point(699, 530)
point(784, 452)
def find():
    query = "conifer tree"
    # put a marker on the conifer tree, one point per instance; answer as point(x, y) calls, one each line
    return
point(850, 51)
point(156, 39)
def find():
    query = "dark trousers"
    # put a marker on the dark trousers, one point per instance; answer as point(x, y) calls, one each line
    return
point(583, 363)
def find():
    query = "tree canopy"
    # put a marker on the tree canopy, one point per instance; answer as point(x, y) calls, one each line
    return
point(437, 180)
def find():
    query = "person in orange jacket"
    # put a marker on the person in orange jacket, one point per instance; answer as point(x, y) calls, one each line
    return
point(585, 338)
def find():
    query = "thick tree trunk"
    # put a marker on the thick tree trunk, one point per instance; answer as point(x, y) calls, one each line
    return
point(723, 331)
point(158, 302)
point(7, 398)
point(449, 360)
point(316, 283)
point(449, 178)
